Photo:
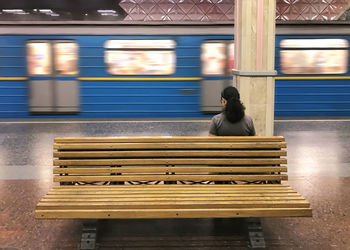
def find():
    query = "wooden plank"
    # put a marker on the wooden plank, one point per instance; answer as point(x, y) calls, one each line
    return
point(171, 161)
point(154, 194)
point(141, 196)
point(110, 170)
point(171, 213)
point(170, 178)
point(170, 188)
point(80, 189)
point(165, 153)
point(192, 145)
point(137, 197)
point(260, 191)
point(172, 192)
point(172, 205)
point(129, 192)
point(236, 197)
point(168, 138)
point(172, 196)
point(176, 187)
point(164, 188)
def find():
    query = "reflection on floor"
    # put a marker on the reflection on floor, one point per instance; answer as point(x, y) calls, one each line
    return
point(318, 161)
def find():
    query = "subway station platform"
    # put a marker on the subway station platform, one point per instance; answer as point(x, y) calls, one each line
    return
point(318, 168)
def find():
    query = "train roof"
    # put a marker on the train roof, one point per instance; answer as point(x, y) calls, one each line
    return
point(163, 28)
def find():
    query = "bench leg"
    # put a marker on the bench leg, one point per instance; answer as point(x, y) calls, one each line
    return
point(89, 235)
point(255, 233)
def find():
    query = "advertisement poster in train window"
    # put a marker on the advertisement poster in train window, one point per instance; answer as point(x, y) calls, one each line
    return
point(213, 58)
point(314, 56)
point(66, 58)
point(39, 58)
point(140, 44)
point(231, 56)
point(125, 62)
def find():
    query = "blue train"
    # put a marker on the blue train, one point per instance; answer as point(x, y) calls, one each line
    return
point(101, 71)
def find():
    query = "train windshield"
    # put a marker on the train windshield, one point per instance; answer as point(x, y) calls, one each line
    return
point(314, 56)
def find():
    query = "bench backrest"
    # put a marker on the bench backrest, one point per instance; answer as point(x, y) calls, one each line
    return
point(178, 158)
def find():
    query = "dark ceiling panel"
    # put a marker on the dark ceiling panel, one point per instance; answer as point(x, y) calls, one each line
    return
point(59, 4)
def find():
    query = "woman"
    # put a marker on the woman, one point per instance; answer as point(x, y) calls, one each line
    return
point(232, 121)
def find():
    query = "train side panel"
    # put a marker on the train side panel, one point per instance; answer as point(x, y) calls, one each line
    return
point(13, 84)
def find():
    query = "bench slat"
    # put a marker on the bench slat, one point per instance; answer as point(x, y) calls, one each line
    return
point(171, 178)
point(173, 187)
point(167, 138)
point(114, 170)
point(171, 161)
point(156, 194)
point(85, 198)
point(171, 204)
point(175, 197)
point(252, 195)
point(166, 153)
point(192, 145)
point(171, 193)
point(171, 213)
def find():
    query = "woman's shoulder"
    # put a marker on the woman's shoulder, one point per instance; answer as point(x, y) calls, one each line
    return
point(247, 119)
point(218, 117)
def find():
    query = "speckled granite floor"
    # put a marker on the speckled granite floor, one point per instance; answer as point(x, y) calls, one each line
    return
point(319, 168)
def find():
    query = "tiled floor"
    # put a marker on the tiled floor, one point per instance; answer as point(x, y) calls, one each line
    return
point(319, 168)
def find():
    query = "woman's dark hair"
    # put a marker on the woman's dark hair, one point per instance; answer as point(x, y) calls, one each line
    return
point(234, 109)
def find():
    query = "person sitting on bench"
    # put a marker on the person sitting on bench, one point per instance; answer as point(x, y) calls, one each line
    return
point(232, 121)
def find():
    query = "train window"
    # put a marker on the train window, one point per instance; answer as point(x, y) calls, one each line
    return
point(213, 58)
point(314, 56)
point(314, 43)
point(140, 57)
point(140, 44)
point(39, 58)
point(66, 58)
point(140, 62)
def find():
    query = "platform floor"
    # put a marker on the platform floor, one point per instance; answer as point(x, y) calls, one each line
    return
point(318, 164)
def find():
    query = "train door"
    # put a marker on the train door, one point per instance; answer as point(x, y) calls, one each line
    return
point(53, 70)
point(217, 64)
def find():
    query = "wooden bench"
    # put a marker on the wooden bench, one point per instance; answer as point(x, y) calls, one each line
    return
point(95, 176)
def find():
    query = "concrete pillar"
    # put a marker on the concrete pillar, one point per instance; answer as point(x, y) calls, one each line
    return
point(255, 60)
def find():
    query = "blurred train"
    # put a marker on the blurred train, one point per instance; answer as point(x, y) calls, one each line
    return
point(101, 71)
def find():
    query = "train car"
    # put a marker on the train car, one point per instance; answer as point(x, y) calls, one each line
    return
point(154, 70)
point(313, 78)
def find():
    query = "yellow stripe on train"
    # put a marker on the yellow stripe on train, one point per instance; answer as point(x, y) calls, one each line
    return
point(139, 78)
point(116, 78)
point(312, 78)
point(11, 78)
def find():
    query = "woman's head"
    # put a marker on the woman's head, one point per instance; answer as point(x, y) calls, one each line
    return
point(233, 107)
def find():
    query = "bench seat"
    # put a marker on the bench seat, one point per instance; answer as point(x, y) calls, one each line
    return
point(172, 201)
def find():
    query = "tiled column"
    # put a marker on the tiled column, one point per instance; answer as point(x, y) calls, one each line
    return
point(254, 60)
